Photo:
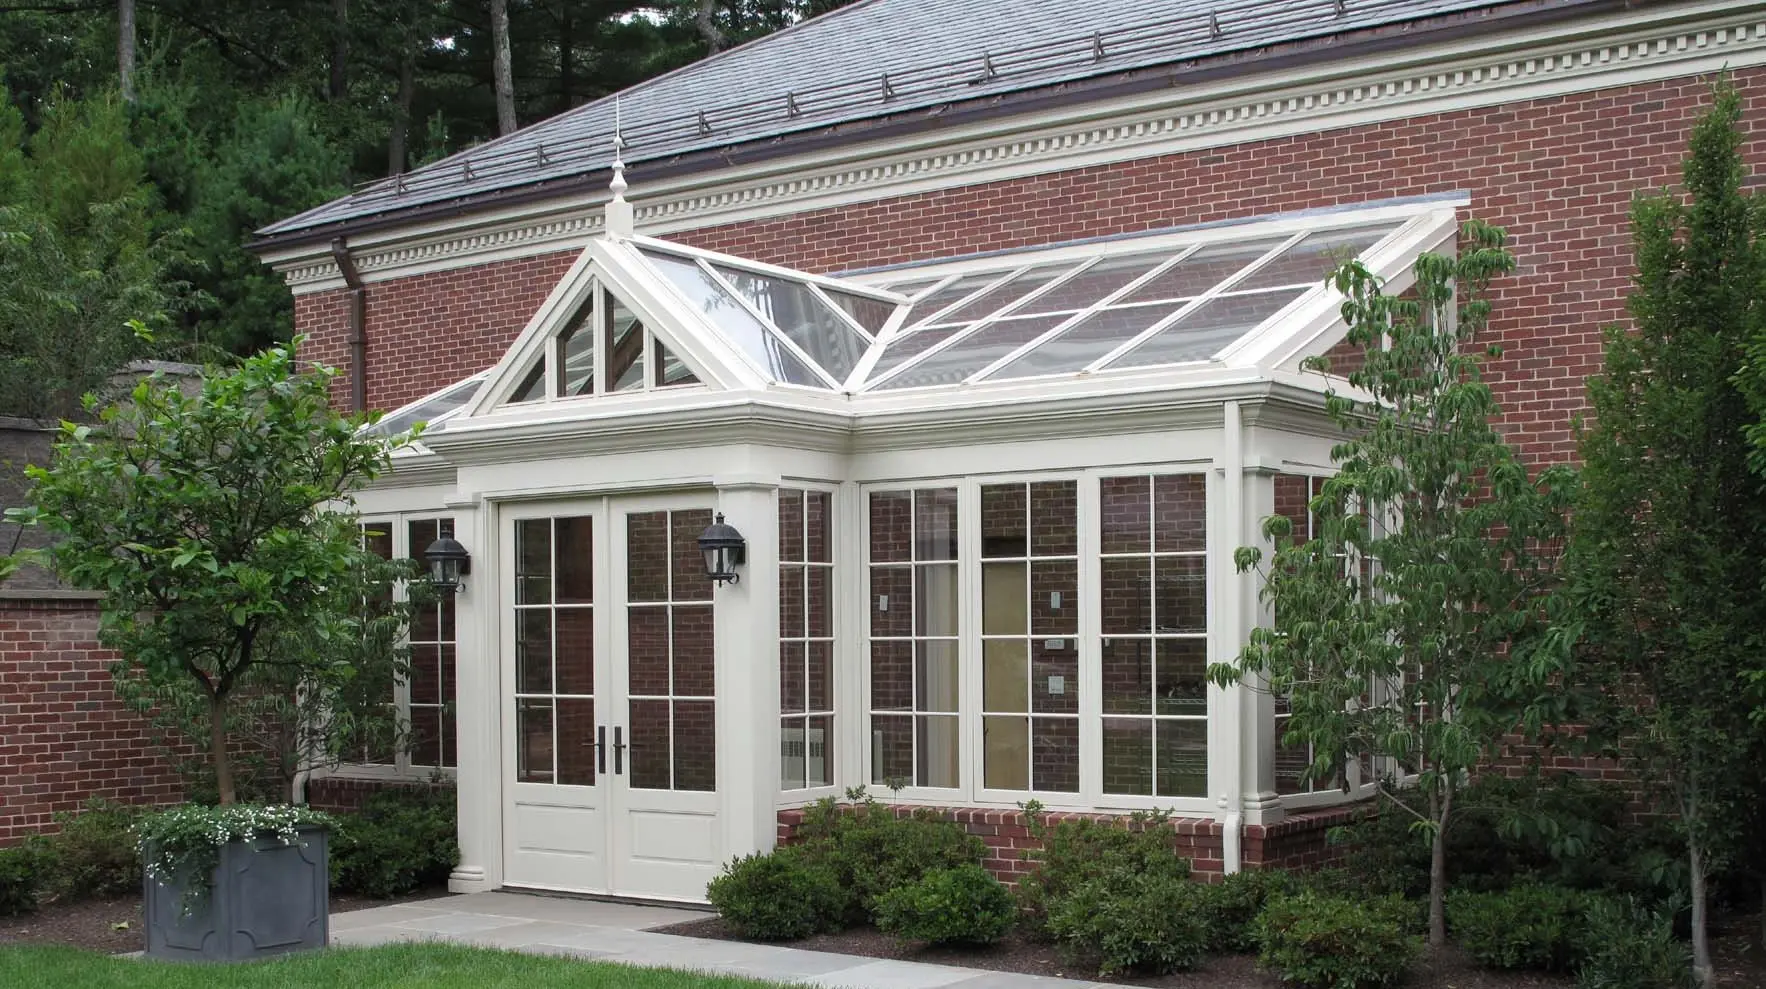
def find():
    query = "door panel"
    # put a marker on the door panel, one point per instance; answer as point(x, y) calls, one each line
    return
point(610, 719)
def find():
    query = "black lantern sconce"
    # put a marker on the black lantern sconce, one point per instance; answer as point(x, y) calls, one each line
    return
point(724, 550)
point(449, 563)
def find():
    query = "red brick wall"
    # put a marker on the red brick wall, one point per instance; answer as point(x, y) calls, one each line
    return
point(1298, 842)
point(64, 736)
point(1557, 173)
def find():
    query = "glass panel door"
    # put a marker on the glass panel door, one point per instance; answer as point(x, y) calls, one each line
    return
point(669, 653)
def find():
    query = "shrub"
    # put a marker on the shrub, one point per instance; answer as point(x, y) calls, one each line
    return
point(401, 840)
point(1127, 921)
point(1231, 906)
point(1530, 926)
point(872, 851)
point(96, 853)
point(1627, 946)
point(22, 873)
point(781, 895)
point(1078, 852)
point(1321, 942)
point(965, 905)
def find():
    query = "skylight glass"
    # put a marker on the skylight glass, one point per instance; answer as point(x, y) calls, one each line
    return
point(1009, 291)
point(1076, 347)
point(433, 407)
point(1308, 262)
point(974, 352)
point(1202, 270)
point(734, 321)
point(1202, 332)
point(872, 314)
point(930, 308)
point(826, 336)
point(1094, 283)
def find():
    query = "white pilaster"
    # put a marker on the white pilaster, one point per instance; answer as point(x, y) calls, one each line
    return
point(1226, 705)
point(747, 616)
point(1257, 708)
point(478, 777)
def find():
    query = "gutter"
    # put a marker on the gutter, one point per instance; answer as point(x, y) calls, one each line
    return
point(1026, 103)
point(358, 335)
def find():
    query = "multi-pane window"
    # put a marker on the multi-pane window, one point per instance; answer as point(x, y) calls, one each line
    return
point(1293, 499)
point(580, 361)
point(1030, 687)
point(425, 701)
point(913, 605)
point(1153, 582)
point(555, 651)
point(806, 639)
point(671, 673)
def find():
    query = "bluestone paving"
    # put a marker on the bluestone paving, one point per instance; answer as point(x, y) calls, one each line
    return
point(621, 932)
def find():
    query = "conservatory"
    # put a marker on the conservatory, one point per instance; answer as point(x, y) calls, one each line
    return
point(739, 537)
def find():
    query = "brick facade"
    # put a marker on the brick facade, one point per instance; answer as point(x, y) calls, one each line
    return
point(64, 736)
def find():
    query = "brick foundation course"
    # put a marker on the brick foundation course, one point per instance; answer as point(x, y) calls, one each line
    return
point(1299, 842)
point(65, 738)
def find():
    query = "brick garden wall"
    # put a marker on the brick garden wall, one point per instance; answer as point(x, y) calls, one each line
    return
point(64, 736)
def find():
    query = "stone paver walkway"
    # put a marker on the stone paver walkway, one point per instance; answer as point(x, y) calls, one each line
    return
point(619, 932)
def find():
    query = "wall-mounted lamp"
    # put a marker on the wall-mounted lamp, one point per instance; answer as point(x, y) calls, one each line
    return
point(724, 550)
point(449, 563)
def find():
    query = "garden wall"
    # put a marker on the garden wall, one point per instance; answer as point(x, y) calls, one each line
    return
point(64, 736)
point(1298, 842)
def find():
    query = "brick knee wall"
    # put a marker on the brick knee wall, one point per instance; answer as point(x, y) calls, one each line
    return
point(65, 738)
point(1299, 842)
point(338, 794)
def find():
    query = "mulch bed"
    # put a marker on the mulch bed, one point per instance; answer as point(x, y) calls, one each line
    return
point(114, 926)
point(1740, 962)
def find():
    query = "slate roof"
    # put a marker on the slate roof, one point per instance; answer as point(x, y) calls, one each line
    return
point(874, 58)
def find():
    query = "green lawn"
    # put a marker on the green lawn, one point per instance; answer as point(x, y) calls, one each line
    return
point(403, 966)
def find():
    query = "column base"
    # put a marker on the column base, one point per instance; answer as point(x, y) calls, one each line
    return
point(469, 879)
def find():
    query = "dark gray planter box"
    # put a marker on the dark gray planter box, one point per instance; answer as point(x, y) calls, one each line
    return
point(268, 899)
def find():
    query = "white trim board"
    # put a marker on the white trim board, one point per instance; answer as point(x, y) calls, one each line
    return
point(1656, 42)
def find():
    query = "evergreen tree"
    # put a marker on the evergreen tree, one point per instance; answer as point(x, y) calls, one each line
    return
point(1671, 527)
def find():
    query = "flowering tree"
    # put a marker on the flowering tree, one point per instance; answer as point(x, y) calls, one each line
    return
point(216, 525)
point(1402, 629)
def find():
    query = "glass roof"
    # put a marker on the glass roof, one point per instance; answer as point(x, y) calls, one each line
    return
point(431, 409)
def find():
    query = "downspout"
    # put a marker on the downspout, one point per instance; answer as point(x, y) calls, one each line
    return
point(1233, 491)
point(358, 336)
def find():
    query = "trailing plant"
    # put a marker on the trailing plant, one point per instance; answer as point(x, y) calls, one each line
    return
point(1123, 920)
point(401, 840)
point(1628, 946)
point(1434, 551)
point(1076, 852)
point(1529, 926)
point(1322, 942)
point(182, 845)
point(871, 849)
point(965, 905)
point(780, 895)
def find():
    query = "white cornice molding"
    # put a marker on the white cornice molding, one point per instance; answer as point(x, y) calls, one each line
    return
point(1645, 45)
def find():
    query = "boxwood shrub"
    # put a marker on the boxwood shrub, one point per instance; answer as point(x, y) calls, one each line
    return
point(965, 905)
point(1130, 921)
point(1078, 852)
point(1231, 907)
point(1530, 926)
point(1325, 942)
point(781, 895)
point(401, 840)
point(21, 878)
point(870, 850)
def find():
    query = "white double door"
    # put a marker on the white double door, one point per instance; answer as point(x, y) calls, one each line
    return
point(609, 719)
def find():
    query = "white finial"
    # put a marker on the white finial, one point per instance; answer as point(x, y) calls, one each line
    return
point(619, 212)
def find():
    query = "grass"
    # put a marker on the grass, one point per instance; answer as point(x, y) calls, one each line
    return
point(399, 966)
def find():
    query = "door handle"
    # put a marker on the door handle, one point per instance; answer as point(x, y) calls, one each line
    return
point(618, 750)
point(601, 750)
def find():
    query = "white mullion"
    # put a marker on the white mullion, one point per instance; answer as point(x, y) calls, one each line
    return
point(816, 290)
point(972, 296)
point(752, 266)
point(1098, 306)
point(874, 353)
point(1219, 288)
point(769, 326)
point(939, 347)
point(1000, 312)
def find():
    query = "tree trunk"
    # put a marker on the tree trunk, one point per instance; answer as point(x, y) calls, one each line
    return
point(1438, 869)
point(566, 58)
point(714, 39)
point(217, 742)
point(399, 140)
point(1702, 970)
point(126, 48)
point(502, 74)
point(340, 50)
